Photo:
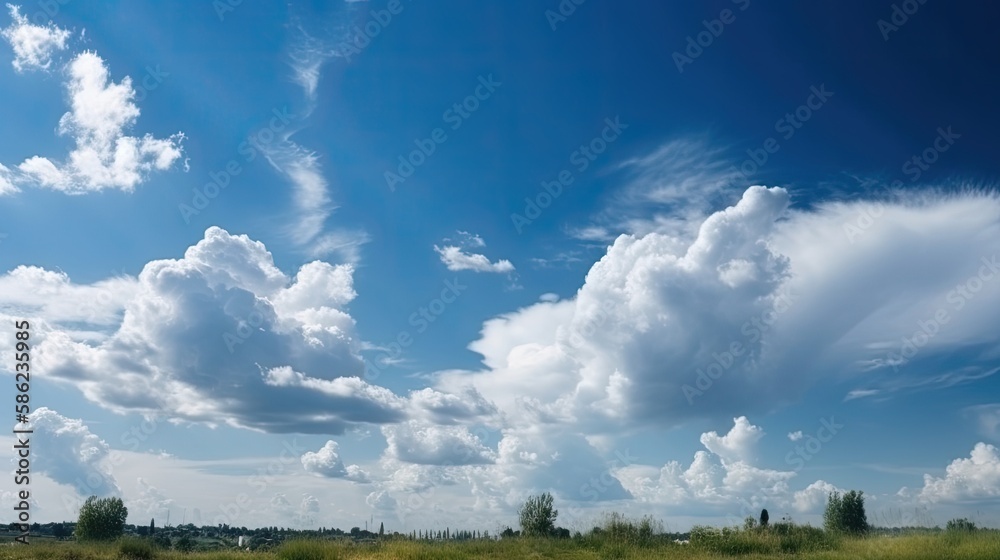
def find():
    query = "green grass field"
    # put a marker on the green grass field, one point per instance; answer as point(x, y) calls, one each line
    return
point(980, 545)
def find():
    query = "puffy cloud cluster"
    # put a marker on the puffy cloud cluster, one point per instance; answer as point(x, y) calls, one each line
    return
point(65, 450)
point(33, 45)
point(429, 444)
point(738, 444)
point(976, 478)
point(451, 408)
point(724, 479)
point(101, 113)
point(104, 156)
point(36, 292)
point(721, 481)
point(327, 463)
point(759, 305)
point(222, 336)
point(645, 318)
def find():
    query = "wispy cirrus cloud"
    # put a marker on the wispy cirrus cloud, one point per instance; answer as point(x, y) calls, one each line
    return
point(669, 190)
point(311, 200)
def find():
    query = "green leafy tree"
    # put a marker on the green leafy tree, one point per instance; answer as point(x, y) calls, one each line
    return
point(846, 514)
point(101, 519)
point(537, 517)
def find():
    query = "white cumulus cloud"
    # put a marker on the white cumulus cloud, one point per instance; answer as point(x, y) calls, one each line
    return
point(973, 479)
point(33, 45)
point(738, 444)
point(428, 444)
point(67, 451)
point(762, 303)
point(104, 155)
point(456, 259)
point(327, 463)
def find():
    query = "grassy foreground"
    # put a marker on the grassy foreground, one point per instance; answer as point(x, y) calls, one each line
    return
point(981, 545)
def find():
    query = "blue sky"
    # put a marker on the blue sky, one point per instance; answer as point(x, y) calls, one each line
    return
point(312, 263)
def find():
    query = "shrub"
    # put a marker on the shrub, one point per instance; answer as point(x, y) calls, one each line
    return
point(620, 529)
point(184, 544)
point(130, 548)
point(961, 525)
point(786, 538)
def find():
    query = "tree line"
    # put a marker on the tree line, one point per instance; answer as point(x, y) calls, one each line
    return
point(104, 519)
